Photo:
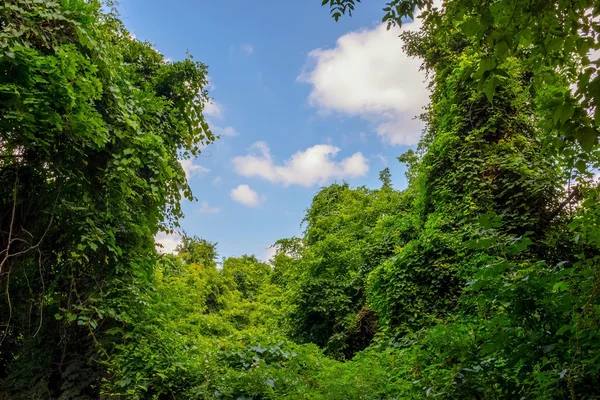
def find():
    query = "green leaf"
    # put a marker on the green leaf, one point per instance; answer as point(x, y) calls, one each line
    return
point(563, 329)
point(501, 49)
point(560, 286)
point(470, 27)
point(587, 138)
point(500, 73)
point(485, 220)
point(555, 44)
point(490, 88)
point(486, 64)
point(566, 112)
point(581, 166)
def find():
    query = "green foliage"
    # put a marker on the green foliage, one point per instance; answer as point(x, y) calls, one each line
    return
point(385, 177)
point(195, 250)
point(348, 233)
point(92, 124)
point(247, 273)
point(478, 281)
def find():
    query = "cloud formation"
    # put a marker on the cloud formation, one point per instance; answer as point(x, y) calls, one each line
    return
point(246, 196)
point(368, 75)
point(213, 109)
point(192, 169)
point(167, 243)
point(216, 110)
point(206, 209)
point(222, 131)
point(314, 165)
point(268, 254)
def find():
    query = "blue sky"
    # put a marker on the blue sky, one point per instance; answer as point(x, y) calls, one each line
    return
point(300, 102)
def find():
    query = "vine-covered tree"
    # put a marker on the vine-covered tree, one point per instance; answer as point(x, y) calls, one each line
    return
point(92, 124)
point(195, 250)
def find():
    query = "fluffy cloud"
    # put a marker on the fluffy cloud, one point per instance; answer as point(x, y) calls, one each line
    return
point(192, 169)
point(222, 131)
point(368, 75)
point(209, 84)
point(269, 254)
point(314, 165)
point(246, 196)
point(213, 109)
point(206, 209)
point(167, 243)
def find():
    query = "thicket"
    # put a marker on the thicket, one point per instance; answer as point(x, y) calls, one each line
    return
point(480, 280)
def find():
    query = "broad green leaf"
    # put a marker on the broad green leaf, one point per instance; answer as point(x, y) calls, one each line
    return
point(587, 138)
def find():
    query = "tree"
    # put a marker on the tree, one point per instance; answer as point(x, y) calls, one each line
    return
point(195, 250)
point(348, 233)
point(92, 126)
point(247, 273)
point(490, 285)
point(385, 177)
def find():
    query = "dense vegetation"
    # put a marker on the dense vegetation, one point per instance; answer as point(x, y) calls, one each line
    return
point(480, 280)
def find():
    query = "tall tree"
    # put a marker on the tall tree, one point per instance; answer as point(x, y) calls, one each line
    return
point(348, 233)
point(92, 124)
point(195, 250)
point(499, 256)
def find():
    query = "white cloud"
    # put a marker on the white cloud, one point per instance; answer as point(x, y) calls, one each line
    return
point(217, 180)
point(209, 84)
point(166, 243)
point(213, 109)
point(206, 209)
point(216, 110)
point(368, 75)
point(246, 196)
point(223, 131)
point(229, 131)
point(247, 48)
point(314, 165)
point(192, 169)
point(269, 253)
